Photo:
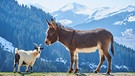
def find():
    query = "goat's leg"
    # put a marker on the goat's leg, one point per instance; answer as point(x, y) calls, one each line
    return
point(19, 65)
point(71, 61)
point(31, 69)
point(19, 68)
point(76, 61)
point(27, 66)
point(14, 67)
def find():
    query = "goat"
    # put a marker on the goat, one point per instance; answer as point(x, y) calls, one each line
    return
point(26, 58)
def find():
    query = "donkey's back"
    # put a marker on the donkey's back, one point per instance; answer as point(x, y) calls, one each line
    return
point(92, 38)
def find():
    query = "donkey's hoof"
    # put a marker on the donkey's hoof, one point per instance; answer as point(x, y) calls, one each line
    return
point(96, 71)
point(108, 73)
point(70, 70)
point(76, 71)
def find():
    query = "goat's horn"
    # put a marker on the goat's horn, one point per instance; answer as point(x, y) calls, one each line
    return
point(40, 45)
point(35, 44)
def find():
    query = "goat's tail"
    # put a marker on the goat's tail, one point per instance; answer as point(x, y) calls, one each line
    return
point(16, 50)
point(112, 46)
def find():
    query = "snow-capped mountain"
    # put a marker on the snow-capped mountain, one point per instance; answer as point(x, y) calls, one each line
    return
point(6, 45)
point(69, 15)
point(74, 13)
point(100, 13)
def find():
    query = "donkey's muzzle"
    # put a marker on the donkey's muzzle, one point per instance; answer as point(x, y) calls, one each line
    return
point(47, 42)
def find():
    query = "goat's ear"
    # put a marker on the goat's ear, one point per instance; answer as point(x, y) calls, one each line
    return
point(41, 48)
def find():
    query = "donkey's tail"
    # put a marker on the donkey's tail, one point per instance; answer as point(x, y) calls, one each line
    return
point(112, 46)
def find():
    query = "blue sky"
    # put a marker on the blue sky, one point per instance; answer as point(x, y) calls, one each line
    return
point(53, 5)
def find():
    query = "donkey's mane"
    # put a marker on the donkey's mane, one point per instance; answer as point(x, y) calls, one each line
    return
point(60, 26)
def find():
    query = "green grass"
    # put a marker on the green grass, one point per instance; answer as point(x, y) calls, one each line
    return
point(64, 74)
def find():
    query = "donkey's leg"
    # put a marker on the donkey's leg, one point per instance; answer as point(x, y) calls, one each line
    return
point(71, 61)
point(76, 61)
point(109, 61)
point(102, 59)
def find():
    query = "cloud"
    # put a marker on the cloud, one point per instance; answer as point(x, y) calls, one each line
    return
point(65, 22)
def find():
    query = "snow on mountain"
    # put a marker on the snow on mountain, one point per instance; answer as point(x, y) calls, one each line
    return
point(100, 13)
point(6, 45)
point(121, 67)
point(69, 15)
point(74, 13)
point(131, 19)
point(61, 60)
point(73, 6)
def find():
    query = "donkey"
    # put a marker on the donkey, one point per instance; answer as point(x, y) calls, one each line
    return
point(84, 41)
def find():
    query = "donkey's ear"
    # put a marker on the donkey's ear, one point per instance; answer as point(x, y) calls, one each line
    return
point(48, 23)
point(52, 20)
point(53, 24)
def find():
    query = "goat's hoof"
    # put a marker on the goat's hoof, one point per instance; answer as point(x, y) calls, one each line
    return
point(19, 72)
point(26, 71)
point(31, 72)
point(14, 72)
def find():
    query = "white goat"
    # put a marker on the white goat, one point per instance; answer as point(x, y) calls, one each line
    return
point(26, 58)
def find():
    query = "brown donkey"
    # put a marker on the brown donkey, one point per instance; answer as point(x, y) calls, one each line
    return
point(81, 41)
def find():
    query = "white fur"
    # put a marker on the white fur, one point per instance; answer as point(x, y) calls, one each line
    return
point(88, 50)
point(28, 57)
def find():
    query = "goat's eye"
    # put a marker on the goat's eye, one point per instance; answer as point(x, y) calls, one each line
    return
point(35, 48)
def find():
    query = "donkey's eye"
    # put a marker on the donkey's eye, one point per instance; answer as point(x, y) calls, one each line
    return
point(52, 34)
